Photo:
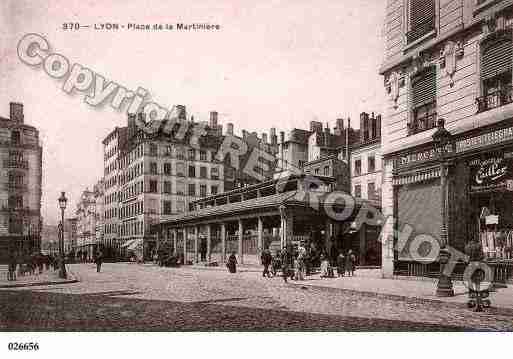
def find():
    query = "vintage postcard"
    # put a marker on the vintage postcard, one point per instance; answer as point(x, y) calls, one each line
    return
point(233, 166)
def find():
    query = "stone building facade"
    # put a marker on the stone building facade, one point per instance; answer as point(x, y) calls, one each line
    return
point(20, 184)
point(449, 60)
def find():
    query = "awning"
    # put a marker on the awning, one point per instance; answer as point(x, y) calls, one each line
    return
point(127, 243)
point(135, 243)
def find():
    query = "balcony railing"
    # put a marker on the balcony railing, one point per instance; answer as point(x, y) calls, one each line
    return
point(420, 30)
point(495, 99)
point(16, 164)
point(16, 187)
point(422, 124)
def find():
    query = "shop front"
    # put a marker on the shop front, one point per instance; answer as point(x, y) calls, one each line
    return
point(479, 198)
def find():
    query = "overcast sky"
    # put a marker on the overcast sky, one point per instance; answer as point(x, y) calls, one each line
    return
point(275, 63)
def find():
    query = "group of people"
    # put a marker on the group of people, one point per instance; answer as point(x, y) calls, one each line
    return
point(298, 263)
point(344, 263)
point(22, 265)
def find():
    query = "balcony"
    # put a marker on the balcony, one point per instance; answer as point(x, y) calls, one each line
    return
point(495, 99)
point(420, 124)
point(16, 164)
point(16, 187)
point(421, 29)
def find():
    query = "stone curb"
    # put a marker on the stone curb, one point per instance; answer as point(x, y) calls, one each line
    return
point(412, 299)
point(72, 278)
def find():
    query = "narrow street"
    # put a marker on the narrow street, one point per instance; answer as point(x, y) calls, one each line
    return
point(131, 297)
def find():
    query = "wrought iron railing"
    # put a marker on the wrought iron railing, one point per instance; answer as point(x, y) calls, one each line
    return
point(420, 124)
point(420, 30)
point(16, 164)
point(495, 99)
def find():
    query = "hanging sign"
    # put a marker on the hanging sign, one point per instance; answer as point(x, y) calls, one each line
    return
point(491, 173)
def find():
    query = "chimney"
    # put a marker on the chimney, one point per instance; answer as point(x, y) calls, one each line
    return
point(364, 127)
point(274, 139)
point(213, 119)
point(264, 137)
point(131, 125)
point(282, 137)
point(229, 129)
point(244, 134)
point(315, 126)
point(181, 112)
point(16, 112)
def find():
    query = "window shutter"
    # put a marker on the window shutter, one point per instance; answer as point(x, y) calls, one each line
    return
point(496, 59)
point(421, 12)
point(424, 88)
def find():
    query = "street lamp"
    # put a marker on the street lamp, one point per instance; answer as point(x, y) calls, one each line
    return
point(442, 141)
point(62, 204)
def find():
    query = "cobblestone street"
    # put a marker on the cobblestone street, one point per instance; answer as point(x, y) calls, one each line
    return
point(145, 297)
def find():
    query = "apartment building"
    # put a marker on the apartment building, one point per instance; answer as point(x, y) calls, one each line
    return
point(20, 184)
point(448, 65)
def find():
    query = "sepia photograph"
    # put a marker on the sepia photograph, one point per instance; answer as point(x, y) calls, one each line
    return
point(201, 174)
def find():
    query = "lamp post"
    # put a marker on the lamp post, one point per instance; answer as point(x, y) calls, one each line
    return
point(442, 144)
point(62, 266)
point(283, 218)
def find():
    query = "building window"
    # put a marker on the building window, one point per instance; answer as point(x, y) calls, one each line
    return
point(357, 167)
point(167, 169)
point(371, 164)
point(213, 190)
point(15, 202)
point(203, 172)
point(153, 149)
point(214, 173)
point(15, 137)
point(326, 170)
point(371, 190)
point(167, 187)
point(203, 190)
point(496, 59)
point(358, 191)
point(180, 188)
point(300, 163)
point(180, 169)
point(168, 207)
point(153, 186)
point(423, 116)
point(180, 206)
point(180, 153)
point(192, 189)
point(192, 171)
point(421, 19)
point(317, 171)
point(203, 155)
point(153, 168)
point(191, 154)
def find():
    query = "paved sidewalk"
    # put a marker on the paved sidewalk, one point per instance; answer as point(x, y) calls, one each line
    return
point(46, 278)
point(419, 289)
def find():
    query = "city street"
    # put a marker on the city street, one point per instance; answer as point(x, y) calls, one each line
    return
point(132, 297)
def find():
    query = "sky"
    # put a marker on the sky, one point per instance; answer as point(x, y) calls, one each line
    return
point(272, 64)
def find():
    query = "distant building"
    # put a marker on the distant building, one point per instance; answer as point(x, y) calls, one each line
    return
point(20, 184)
point(86, 223)
point(70, 235)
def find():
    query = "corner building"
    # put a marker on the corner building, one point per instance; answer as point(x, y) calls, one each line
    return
point(20, 185)
point(450, 60)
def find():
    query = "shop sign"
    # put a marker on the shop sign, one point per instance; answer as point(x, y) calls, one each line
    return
point(420, 156)
point(491, 173)
point(491, 138)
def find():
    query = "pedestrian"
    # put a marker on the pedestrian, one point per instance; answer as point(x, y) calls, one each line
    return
point(285, 264)
point(325, 264)
point(276, 263)
point(203, 249)
point(232, 263)
point(12, 267)
point(266, 259)
point(341, 264)
point(301, 257)
point(350, 262)
point(98, 260)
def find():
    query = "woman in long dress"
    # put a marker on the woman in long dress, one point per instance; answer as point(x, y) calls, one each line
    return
point(324, 266)
point(232, 263)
